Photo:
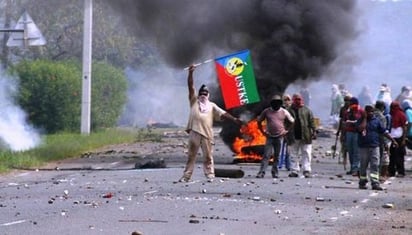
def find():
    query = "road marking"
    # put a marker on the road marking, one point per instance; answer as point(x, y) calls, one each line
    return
point(12, 223)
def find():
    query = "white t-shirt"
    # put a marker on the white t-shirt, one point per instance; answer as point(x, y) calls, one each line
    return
point(202, 122)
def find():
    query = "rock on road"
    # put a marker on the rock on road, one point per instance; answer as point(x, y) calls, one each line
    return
point(102, 193)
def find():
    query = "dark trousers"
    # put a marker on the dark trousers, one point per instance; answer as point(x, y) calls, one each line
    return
point(272, 148)
point(397, 159)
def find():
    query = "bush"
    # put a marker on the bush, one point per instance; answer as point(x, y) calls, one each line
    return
point(50, 93)
point(109, 87)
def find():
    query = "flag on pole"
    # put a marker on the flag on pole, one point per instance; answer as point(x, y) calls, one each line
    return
point(237, 79)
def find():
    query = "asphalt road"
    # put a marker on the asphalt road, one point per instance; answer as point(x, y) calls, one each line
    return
point(102, 193)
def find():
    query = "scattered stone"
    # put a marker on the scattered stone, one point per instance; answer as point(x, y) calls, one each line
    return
point(320, 199)
point(388, 205)
point(343, 213)
point(194, 221)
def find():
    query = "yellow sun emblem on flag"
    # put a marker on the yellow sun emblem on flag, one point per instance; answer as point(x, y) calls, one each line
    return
point(235, 66)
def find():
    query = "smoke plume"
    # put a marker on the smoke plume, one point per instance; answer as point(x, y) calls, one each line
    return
point(289, 40)
point(15, 133)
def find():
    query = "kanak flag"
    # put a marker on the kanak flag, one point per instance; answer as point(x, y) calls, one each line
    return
point(237, 80)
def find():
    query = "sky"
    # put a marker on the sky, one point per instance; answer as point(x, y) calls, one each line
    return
point(382, 54)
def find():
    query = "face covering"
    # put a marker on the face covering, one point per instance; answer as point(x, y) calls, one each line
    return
point(297, 102)
point(276, 104)
point(204, 104)
point(354, 107)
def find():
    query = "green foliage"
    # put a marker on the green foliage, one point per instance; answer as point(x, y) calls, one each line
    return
point(69, 145)
point(50, 93)
point(61, 23)
point(109, 87)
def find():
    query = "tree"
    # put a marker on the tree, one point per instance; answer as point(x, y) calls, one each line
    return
point(61, 23)
point(50, 93)
point(109, 87)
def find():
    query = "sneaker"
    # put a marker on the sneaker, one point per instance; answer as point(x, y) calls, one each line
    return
point(377, 187)
point(307, 174)
point(184, 180)
point(363, 186)
point(260, 175)
point(355, 174)
point(293, 174)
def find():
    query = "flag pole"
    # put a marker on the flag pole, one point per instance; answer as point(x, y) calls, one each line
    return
point(198, 64)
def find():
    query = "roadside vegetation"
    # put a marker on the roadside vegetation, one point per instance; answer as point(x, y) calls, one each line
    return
point(70, 145)
point(45, 82)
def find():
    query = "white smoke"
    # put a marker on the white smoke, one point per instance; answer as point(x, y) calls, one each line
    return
point(15, 133)
point(156, 95)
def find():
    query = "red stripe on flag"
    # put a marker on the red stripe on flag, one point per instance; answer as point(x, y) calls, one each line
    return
point(228, 87)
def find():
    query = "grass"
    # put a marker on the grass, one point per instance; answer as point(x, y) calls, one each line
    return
point(68, 145)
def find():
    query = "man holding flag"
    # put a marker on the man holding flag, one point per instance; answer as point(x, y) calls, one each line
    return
point(200, 128)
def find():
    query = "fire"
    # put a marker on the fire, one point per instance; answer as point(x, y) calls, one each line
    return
point(251, 136)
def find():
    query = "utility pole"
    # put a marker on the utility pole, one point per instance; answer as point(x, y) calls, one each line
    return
point(87, 67)
point(5, 48)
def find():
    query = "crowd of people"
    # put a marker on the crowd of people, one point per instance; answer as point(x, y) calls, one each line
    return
point(373, 133)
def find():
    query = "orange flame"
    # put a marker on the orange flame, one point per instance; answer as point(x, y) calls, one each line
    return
point(251, 136)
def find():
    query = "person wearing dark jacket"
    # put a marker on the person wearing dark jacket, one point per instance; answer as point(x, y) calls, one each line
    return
point(369, 142)
point(300, 137)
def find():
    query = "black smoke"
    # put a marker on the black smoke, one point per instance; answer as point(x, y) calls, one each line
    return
point(289, 40)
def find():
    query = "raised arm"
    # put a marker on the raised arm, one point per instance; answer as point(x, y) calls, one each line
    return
point(190, 83)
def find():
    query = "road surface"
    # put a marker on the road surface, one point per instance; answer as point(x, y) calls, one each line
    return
point(102, 193)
